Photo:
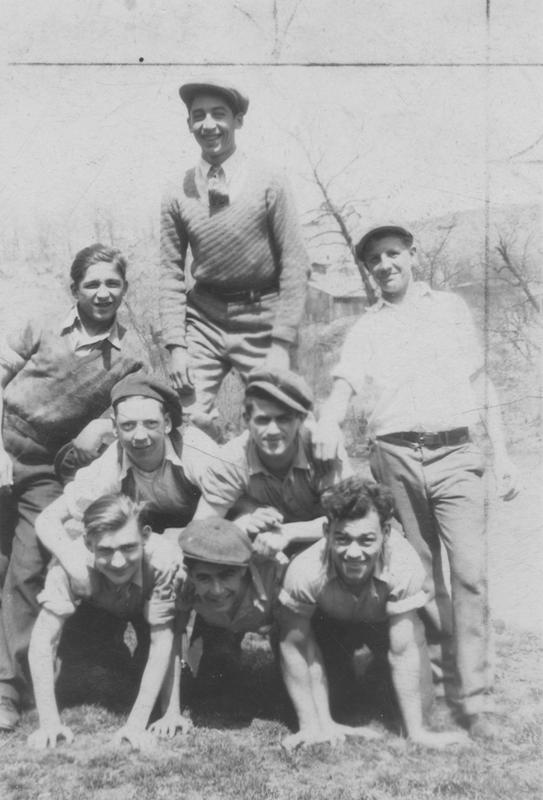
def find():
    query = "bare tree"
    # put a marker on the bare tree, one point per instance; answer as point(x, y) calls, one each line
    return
point(517, 314)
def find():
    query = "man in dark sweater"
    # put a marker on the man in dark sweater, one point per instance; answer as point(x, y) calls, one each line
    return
point(249, 264)
point(56, 380)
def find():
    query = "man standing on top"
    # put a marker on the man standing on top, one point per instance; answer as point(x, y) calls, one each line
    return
point(249, 264)
point(415, 358)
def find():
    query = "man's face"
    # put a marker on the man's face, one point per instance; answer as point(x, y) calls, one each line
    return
point(355, 545)
point(273, 428)
point(213, 124)
point(142, 426)
point(217, 585)
point(391, 263)
point(118, 554)
point(99, 295)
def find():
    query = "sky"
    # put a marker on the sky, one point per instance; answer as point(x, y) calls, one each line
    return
point(441, 109)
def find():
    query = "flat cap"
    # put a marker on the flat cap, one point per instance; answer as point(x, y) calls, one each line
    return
point(216, 541)
point(283, 385)
point(238, 101)
point(141, 385)
point(379, 233)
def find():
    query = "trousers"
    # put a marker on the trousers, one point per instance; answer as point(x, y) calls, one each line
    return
point(35, 485)
point(222, 335)
point(439, 498)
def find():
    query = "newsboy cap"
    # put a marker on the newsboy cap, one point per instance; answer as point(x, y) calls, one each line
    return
point(283, 385)
point(216, 541)
point(379, 233)
point(238, 102)
point(141, 385)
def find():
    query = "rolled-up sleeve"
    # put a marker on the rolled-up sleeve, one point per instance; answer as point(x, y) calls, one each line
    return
point(406, 579)
point(100, 477)
point(57, 595)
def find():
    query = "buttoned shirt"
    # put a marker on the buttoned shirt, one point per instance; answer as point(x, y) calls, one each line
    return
point(255, 610)
point(412, 363)
point(234, 172)
point(239, 472)
point(149, 593)
point(173, 488)
point(395, 587)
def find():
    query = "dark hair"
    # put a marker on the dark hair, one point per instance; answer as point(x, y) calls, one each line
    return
point(110, 513)
point(92, 255)
point(257, 393)
point(355, 497)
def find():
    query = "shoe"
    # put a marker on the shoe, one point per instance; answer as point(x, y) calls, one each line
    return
point(480, 727)
point(9, 714)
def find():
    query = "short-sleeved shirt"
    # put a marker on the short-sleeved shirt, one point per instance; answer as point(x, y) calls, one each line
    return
point(412, 362)
point(173, 489)
point(255, 611)
point(396, 586)
point(238, 472)
point(150, 593)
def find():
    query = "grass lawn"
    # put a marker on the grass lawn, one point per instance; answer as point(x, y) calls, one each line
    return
point(234, 749)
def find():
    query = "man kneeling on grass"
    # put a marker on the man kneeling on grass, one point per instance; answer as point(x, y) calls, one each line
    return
point(124, 582)
point(360, 585)
point(232, 589)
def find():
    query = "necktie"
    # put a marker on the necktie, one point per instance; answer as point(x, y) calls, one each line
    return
point(217, 190)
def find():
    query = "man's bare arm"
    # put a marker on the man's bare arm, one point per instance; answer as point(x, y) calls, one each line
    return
point(41, 657)
point(327, 433)
point(153, 677)
point(410, 667)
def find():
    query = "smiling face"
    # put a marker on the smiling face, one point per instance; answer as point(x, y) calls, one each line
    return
point(118, 554)
point(218, 585)
point(354, 546)
point(213, 124)
point(99, 295)
point(390, 261)
point(273, 428)
point(141, 427)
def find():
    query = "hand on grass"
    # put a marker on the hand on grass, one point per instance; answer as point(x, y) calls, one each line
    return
point(439, 740)
point(169, 724)
point(49, 736)
point(137, 738)
point(333, 734)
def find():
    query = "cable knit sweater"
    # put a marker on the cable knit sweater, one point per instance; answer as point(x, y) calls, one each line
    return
point(252, 243)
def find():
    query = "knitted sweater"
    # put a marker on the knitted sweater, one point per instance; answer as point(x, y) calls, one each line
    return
point(252, 243)
point(53, 394)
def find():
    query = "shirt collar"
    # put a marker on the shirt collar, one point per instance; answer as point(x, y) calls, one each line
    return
point(169, 455)
point(256, 466)
point(419, 289)
point(73, 324)
point(232, 164)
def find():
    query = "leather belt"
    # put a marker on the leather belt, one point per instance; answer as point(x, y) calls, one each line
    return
point(238, 296)
point(433, 439)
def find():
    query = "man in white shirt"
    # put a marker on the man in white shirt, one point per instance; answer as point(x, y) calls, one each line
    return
point(415, 360)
